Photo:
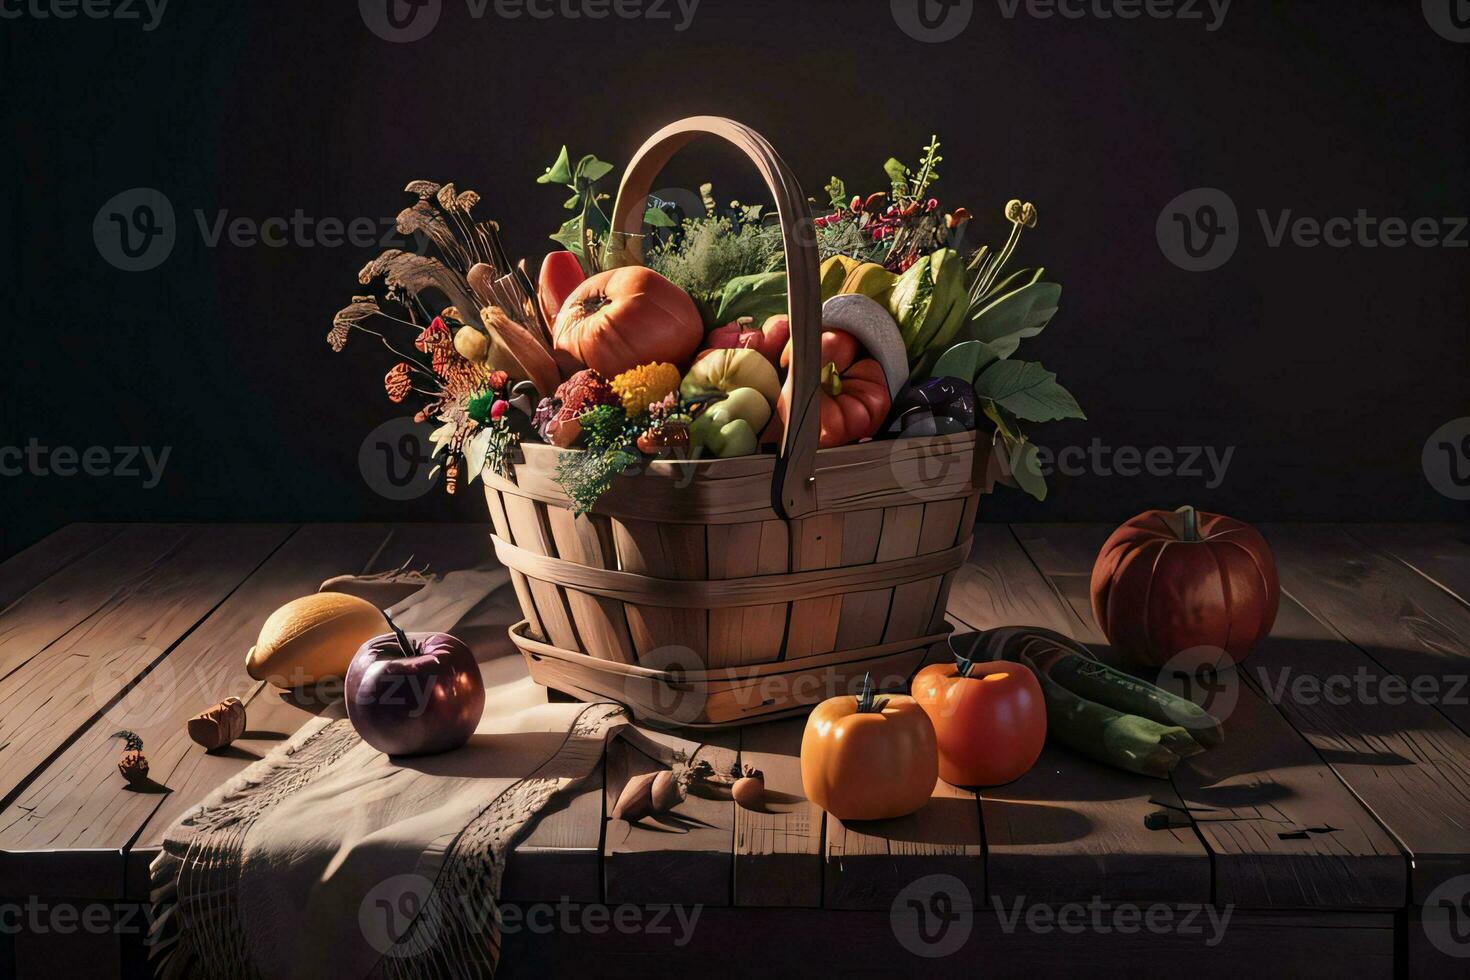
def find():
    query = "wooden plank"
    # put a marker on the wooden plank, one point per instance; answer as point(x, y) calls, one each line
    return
point(864, 614)
point(1406, 623)
point(1070, 828)
point(1439, 552)
point(60, 690)
point(1405, 761)
point(79, 801)
point(869, 863)
point(530, 530)
point(683, 857)
point(1283, 830)
point(1047, 941)
point(45, 613)
point(24, 571)
point(778, 849)
point(561, 858)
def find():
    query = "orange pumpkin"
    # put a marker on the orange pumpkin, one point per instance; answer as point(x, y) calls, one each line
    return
point(867, 758)
point(854, 393)
point(625, 317)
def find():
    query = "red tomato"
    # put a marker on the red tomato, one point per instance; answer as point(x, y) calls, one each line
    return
point(990, 724)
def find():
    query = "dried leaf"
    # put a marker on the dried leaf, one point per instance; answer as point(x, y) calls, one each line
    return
point(423, 188)
point(362, 307)
point(420, 274)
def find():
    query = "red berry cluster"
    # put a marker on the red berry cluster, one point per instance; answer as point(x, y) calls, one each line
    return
point(879, 219)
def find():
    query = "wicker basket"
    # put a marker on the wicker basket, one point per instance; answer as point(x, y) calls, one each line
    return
point(719, 592)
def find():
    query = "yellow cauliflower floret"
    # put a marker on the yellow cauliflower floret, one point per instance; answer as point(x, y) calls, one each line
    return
point(644, 385)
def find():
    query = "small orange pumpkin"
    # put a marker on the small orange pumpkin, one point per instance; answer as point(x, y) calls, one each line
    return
point(625, 317)
point(854, 392)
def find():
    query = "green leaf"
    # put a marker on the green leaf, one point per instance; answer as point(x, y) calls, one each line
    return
point(659, 218)
point(1028, 391)
point(1019, 314)
point(964, 361)
point(1025, 468)
point(760, 296)
point(569, 236)
point(837, 191)
point(591, 169)
point(1011, 283)
point(559, 172)
point(898, 174)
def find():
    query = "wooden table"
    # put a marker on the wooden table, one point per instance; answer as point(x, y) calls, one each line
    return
point(1323, 826)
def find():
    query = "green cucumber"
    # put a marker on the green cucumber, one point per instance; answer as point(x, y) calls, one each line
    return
point(1096, 681)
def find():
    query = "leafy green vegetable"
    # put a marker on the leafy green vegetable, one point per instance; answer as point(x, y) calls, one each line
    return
point(1028, 391)
point(1024, 312)
point(712, 252)
point(760, 296)
point(965, 361)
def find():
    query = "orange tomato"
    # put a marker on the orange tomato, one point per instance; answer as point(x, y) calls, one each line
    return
point(990, 722)
point(866, 758)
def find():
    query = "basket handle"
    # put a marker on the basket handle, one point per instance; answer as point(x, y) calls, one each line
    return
point(793, 486)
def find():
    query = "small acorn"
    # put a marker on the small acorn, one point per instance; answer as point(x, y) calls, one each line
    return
point(133, 766)
point(750, 789)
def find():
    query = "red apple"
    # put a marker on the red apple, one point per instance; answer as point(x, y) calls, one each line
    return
point(414, 694)
point(770, 339)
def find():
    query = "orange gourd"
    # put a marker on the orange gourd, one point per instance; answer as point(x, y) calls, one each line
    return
point(625, 317)
point(867, 758)
point(989, 719)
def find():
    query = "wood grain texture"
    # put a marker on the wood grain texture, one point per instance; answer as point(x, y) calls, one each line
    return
point(670, 551)
point(778, 849)
point(685, 856)
point(1282, 829)
point(60, 689)
point(1405, 622)
point(1439, 552)
point(759, 942)
point(1070, 828)
point(752, 634)
point(79, 802)
point(870, 862)
point(24, 571)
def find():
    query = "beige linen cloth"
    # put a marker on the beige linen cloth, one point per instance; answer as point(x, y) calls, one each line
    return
point(327, 858)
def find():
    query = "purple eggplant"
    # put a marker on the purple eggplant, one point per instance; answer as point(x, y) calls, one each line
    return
point(937, 406)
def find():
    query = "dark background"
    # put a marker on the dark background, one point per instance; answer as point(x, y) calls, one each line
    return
point(1327, 369)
